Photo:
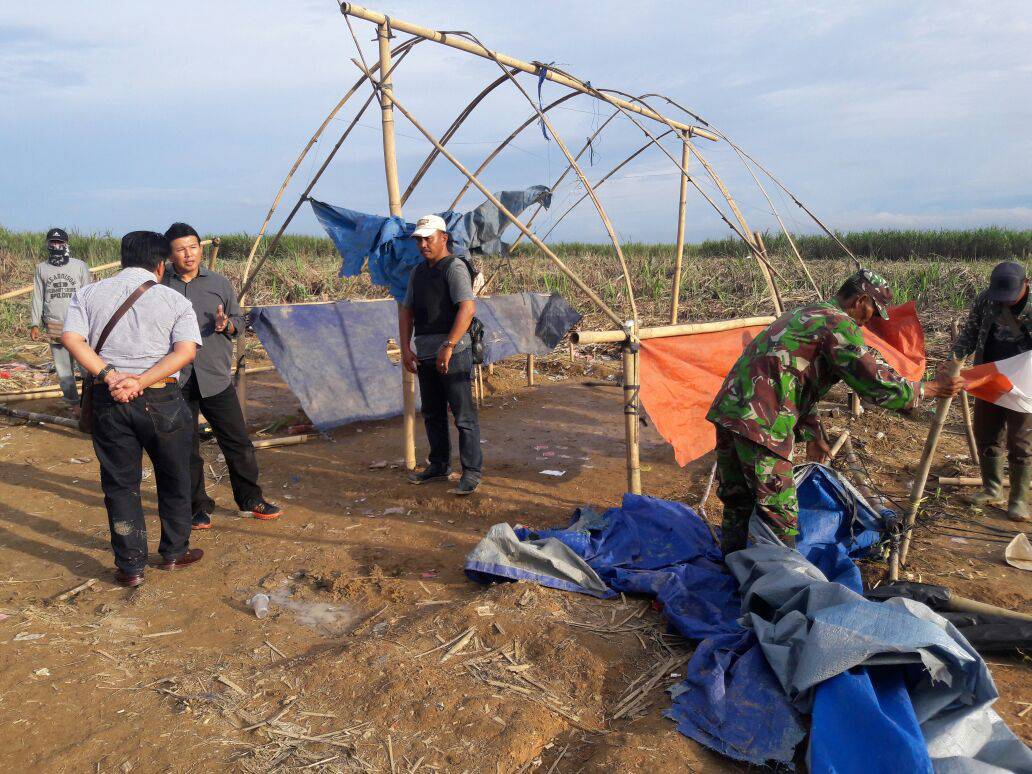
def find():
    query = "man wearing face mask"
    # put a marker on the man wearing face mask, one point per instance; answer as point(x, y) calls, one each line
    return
point(55, 281)
point(770, 395)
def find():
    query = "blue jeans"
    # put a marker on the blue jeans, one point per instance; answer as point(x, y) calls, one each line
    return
point(439, 392)
point(157, 422)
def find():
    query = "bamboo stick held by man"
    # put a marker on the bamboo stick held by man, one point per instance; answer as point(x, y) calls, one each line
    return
point(208, 384)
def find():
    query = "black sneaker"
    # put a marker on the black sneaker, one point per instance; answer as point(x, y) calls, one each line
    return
point(201, 520)
point(429, 474)
point(266, 511)
point(466, 486)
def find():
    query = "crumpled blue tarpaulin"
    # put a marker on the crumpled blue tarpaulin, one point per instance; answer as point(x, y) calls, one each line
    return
point(732, 700)
point(334, 356)
point(388, 245)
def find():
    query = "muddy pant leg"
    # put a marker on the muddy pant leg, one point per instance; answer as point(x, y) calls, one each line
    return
point(990, 422)
point(734, 492)
point(120, 455)
point(770, 477)
point(1019, 437)
point(64, 367)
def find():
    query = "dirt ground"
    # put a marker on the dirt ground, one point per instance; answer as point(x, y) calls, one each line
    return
point(378, 654)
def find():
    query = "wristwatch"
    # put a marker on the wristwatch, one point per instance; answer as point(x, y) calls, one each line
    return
point(103, 372)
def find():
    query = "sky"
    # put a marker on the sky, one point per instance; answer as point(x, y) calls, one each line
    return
point(135, 114)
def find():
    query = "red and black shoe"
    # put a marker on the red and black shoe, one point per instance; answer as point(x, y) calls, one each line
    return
point(265, 510)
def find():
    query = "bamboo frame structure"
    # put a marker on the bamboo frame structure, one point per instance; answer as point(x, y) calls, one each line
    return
point(682, 204)
point(666, 331)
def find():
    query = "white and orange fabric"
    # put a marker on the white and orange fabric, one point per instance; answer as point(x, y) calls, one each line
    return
point(1006, 383)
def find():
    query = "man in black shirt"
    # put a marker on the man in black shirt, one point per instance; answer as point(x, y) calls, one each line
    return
point(999, 326)
point(438, 306)
point(208, 385)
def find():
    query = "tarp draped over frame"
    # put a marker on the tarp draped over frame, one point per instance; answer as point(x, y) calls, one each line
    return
point(1006, 383)
point(889, 689)
point(681, 375)
point(334, 356)
point(387, 244)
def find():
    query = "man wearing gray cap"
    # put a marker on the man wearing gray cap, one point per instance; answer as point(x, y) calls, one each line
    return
point(438, 307)
point(999, 326)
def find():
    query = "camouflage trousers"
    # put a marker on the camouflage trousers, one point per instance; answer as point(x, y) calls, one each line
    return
point(751, 477)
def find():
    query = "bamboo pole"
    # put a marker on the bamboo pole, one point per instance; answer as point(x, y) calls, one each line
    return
point(455, 41)
point(216, 243)
point(630, 392)
point(872, 497)
point(50, 392)
point(28, 288)
point(530, 370)
point(839, 443)
point(927, 457)
point(390, 163)
point(304, 152)
point(666, 331)
point(32, 416)
point(682, 203)
point(570, 274)
point(965, 409)
point(960, 481)
point(965, 605)
point(287, 440)
point(765, 268)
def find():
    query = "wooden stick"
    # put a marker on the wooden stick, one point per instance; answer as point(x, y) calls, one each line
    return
point(666, 331)
point(927, 457)
point(965, 409)
point(839, 443)
point(570, 274)
point(682, 204)
point(960, 481)
point(462, 44)
point(530, 370)
point(856, 470)
point(28, 288)
point(764, 265)
point(630, 388)
point(77, 590)
point(50, 392)
point(287, 440)
point(46, 419)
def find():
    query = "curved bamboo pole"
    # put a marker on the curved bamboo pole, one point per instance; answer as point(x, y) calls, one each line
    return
point(248, 278)
point(581, 176)
point(459, 120)
point(570, 274)
point(401, 49)
point(682, 203)
point(504, 143)
point(603, 179)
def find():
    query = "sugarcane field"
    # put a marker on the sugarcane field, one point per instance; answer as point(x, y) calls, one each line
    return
point(481, 389)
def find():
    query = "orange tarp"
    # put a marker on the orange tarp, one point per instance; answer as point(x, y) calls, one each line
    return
point(899, 340)
point(986, 382)
point(680, 376)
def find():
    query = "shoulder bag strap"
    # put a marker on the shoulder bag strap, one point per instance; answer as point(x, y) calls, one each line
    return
point(121, 311)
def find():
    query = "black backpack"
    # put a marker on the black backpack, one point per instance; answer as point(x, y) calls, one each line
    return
point(476, 328)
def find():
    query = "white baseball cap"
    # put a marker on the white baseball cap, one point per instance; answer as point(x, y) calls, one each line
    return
point(428, 224)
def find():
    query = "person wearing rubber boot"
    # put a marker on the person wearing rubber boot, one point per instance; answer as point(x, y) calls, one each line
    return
point(438, 307)
point(999, 326)
point(53, 284)
point(769, 399)
point(208, 382)
point(135, 336)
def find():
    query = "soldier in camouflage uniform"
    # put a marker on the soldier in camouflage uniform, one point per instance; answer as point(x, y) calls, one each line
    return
point(1000, 326)
point(769, 397)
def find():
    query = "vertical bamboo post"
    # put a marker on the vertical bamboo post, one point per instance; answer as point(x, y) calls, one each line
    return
point(965, 408)
point(216, 243)
point(390, 163)
point(682, 204)
point(630, 387)
point(530, 370)
point(927, 457)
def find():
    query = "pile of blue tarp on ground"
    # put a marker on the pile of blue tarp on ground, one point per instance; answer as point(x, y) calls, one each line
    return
point(387, 244)
point(334, 356)
point(886, 689)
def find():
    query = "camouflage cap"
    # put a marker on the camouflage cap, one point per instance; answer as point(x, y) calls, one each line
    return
point(876, 287)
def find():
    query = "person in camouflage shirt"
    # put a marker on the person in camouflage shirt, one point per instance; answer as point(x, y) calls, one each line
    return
point(999, 326)
point(768, 400)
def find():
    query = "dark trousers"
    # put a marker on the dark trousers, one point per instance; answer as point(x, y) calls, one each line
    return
point(157, 422)
point(439, 391)
point(227, 423)
point(1001, 432)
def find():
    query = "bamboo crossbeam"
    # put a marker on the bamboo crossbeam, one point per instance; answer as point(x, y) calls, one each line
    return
point(455, 41)
point(28, 288)
point(666, 331)
point(570, 274)
point(50, 392)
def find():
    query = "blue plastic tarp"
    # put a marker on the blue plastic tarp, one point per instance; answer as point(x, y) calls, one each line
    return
point(387, 244)
point(334, 356)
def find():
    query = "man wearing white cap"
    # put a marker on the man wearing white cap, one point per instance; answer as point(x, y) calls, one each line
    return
point(438, 307)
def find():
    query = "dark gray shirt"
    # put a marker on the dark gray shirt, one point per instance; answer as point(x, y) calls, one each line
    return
point(214, 362)
point(145, 334)
point(460, 287)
